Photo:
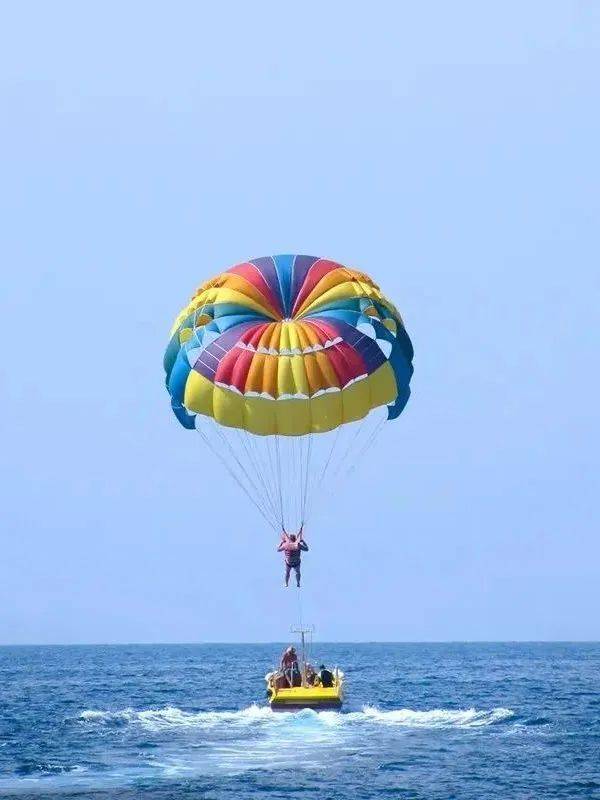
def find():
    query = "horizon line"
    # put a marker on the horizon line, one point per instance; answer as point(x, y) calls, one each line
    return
point(319, 642)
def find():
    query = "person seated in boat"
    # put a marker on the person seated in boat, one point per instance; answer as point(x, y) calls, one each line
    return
point(292, 546)
point(325, 677)
point(310, 675)
point(289, 667)
point(280, 681)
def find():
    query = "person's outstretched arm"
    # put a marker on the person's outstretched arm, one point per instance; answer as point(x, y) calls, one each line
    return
point(282, 545)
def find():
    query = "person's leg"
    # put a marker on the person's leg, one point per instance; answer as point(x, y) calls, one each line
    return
point(288, 569)
point(297, 571)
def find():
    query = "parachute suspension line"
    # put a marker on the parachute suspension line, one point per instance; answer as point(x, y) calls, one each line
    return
point(368, 444)
point(305, 495)
point(279, 481)
point(273, 444)
point(248, 451)
point(221, 434)
point(350, 444)
point(247, 444)
point(243, 476)
point(356, 449)
point(242, 468)
point(295, 485)
point(293, 462)
point(256, 468)
point(319, 484)
point(300, 476)
point(277, 493)
point(287, 478)
point(344, 458)
point(300, 481)
point(235, 477)
point(328, 462)
point(266, 468)
point(263, 470)
point(270, 470)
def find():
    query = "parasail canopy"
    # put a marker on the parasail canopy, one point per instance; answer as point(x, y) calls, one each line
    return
point(272, 357)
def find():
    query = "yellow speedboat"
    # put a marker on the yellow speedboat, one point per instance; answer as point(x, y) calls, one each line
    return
point(306, 691)
point(283, 697)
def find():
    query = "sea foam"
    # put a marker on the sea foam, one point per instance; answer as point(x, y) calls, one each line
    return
point(437, 717)
point(171, 717)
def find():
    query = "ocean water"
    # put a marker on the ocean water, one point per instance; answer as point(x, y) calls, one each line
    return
point(421, 722)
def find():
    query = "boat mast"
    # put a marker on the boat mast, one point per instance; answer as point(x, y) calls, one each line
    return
point(303, 634)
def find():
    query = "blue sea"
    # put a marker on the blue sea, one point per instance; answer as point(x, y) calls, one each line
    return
point(421, 722)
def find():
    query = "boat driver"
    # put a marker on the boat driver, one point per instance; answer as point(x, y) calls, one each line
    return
point(289, 666)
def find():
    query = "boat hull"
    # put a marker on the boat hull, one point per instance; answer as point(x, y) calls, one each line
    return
point(286, 707)
point(319, 698)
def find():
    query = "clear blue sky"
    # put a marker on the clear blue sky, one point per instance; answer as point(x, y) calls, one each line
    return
point(450, 150)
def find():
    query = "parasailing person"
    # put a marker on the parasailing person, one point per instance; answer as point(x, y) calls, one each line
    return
point(292, 546)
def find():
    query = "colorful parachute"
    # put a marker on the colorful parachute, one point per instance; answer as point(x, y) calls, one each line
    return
point(276, 350)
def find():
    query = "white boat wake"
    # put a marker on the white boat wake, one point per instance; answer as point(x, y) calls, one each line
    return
point(261, 716)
